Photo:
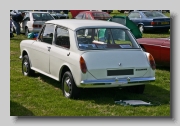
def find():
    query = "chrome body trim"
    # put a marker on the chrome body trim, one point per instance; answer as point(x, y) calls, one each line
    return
point(114, 82)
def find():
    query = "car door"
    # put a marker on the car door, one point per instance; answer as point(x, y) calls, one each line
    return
point(42, 48)
point(60, 51)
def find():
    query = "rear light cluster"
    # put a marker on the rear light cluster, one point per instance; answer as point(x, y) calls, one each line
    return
point(83, 65)
point(36, 26)
point(155, 23)
point(152, 61)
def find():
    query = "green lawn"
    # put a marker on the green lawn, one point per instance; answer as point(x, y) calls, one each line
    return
point(42, 96)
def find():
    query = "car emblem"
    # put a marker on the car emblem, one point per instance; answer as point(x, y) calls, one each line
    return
point(116, 79)
point(119, 64)
point(128, 79)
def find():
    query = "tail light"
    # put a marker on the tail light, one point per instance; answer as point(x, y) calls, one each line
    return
point(36, 26)
point(83, 65)
point(152, 61)
point(154, 23)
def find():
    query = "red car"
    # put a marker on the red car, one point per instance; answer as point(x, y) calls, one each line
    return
point(93, 15)
point(159, 48)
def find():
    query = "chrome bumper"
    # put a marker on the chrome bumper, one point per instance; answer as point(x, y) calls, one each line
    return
point(115, 82)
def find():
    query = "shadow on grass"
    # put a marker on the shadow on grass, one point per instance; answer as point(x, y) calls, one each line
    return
point(163, 68)
point(18, 110)
point(48, 80)
point(152, 93)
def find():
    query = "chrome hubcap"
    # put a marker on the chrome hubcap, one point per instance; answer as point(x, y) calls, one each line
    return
point(67, 86)
point(25, 67)
point(141, 28)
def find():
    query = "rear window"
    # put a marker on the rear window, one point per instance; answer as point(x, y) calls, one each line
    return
point(150, 14)
point(42, 16)
point(105, 38)
point(99, 15)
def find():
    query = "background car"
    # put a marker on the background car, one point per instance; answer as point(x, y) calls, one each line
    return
point(93, 15)
point(159, 48)
point(128, 23)
point(88, 54)
point(33, 21)
point(150, 20)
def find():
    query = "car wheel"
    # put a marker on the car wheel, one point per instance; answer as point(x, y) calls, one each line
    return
point(26, 31)
point(26, 70)
point(139, 89)
point(70, 90)
point(141, 28)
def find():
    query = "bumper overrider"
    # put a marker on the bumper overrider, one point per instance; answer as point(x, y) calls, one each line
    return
point(116, 82)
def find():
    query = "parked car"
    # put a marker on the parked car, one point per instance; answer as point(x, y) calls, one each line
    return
point(159, 48)
point(88, 54)
point(150, 20)
point(93, 15)
point(33, 21)
point(128, 23)
point(74, 13)
point(60, 15)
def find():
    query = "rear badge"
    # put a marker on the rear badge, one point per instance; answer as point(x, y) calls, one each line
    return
point(128, 79)
point(141, 69)
point(116, 79)
point(119, 64)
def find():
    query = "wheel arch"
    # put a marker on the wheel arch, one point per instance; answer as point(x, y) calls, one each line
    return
point(62, 70)
point(25, 52)
point(140, 24)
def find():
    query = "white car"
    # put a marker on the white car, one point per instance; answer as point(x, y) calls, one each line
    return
point(33, 21)
point(88, 54)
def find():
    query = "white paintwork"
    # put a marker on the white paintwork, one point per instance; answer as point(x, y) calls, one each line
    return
point(98, 62)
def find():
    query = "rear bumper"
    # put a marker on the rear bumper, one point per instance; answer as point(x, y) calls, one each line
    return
point(157, 27)
point(115, 82)
point(35, 30)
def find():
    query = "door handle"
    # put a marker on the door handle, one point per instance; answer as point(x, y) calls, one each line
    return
point(49, 48)
point(68, 54)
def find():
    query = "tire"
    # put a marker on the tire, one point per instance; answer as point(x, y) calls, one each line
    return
point(69, 88)
point(26, 70)
point(26, 31)
point(141, 28)
point(139, 89)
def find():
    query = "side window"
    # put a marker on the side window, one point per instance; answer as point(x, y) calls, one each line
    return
point(47, 34)
point(79, 16)
point(26, 15)
point(134, 15)
point(119, 20)
point(84, 16)
point(89, 17)
point(62, 37)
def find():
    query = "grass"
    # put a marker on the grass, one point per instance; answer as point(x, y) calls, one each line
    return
point(42, 96)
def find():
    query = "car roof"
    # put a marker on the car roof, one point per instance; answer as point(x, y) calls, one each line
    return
point(75, 24)
point(92, 12)
point(36, 12)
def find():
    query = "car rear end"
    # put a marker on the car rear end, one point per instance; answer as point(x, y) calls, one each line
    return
point(38, 20)
point(157, 21)
point(117, 63)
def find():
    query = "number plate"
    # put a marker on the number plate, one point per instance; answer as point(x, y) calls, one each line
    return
point(164, 23)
